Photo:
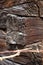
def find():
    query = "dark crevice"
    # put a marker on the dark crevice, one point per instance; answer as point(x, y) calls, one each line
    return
point(4, 29)
point(25, 15)
point(23, 3)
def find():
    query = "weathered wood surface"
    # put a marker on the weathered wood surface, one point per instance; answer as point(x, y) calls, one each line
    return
point(31, 27)
point(29, 7)
point(22, 22)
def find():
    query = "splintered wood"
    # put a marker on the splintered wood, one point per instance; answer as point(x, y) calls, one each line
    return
point(11, 56)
